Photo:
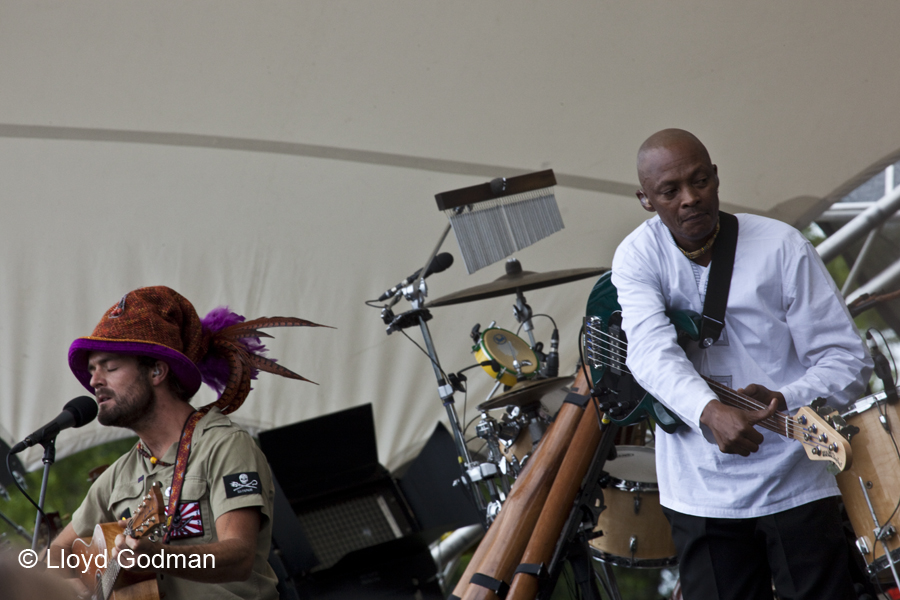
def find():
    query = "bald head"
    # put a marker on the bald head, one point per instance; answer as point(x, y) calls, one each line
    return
point(667, 139)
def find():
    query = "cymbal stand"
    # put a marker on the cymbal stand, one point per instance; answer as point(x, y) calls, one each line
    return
point(472, 472)
point(523, 313)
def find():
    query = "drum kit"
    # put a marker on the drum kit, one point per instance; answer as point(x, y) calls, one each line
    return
point(632, 531)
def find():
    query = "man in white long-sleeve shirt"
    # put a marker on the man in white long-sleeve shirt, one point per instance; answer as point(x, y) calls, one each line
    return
point(746, 506)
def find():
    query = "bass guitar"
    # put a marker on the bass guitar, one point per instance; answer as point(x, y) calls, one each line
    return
point(111, 582)
point(606, 348)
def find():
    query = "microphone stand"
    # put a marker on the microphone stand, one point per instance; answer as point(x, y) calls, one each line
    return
point(18, 528)
point(49, 459)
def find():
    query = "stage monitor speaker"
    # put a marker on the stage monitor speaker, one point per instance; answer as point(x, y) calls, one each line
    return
point(324, 455)
point(427, 484)
point(289, 538)
point(344, 499)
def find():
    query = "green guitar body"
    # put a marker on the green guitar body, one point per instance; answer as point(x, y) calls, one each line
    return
point(605, 348)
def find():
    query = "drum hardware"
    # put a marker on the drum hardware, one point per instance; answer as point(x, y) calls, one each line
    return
point(882, 534)
point(488, 429)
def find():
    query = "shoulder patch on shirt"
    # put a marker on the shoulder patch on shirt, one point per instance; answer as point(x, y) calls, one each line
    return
point(241, 484)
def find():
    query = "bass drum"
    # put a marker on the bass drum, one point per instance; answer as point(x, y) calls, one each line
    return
point(635, 530)
point(504, 347)
point(875, 460)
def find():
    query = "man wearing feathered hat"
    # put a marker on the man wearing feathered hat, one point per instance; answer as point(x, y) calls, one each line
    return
point(144, 362)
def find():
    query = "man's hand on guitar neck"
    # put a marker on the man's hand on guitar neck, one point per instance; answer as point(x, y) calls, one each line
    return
point(732, 428)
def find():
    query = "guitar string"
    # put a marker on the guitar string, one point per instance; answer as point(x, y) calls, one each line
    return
point(779, 423)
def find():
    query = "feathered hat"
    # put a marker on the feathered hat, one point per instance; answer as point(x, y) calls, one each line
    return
point(222, 349)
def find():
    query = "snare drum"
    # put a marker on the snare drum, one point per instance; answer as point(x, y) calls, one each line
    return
point(875, 461)
point(635, 530)
point(504, 347)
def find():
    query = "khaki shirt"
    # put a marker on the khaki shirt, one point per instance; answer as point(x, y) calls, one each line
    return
point(226, 471)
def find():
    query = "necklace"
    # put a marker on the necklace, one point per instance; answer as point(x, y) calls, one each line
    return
point(153, 459)
point(698, 253)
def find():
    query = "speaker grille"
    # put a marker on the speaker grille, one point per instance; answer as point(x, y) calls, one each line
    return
point(349, 525)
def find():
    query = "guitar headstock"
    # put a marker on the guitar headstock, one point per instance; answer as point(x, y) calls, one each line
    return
point(820, 440)
point(149, 518)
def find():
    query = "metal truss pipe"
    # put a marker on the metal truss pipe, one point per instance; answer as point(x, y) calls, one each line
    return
point(881, 282)
point(860, 225)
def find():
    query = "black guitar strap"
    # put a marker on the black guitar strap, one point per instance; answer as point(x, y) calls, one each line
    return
point(719, 280)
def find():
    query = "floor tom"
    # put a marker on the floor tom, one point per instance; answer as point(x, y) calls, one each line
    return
point(635, 530)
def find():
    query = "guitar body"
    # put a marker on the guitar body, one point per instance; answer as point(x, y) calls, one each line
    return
point(129, 586)
point(606, 347)
point(625, 402)
point(108, 580)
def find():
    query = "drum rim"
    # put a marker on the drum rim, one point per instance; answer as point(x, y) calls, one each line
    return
point(637, 563)
point(634, 485)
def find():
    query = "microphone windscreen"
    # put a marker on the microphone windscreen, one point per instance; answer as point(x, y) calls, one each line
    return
point(441, 262)
point(83, 408)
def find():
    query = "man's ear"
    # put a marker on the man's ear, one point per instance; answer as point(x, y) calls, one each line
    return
point(644, 201)
point(160, 372)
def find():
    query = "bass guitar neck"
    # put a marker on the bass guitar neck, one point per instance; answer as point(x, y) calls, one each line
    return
point(820, 440)
point(606, 349)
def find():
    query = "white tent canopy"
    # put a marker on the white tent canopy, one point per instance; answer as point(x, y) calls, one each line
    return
point(282, 158)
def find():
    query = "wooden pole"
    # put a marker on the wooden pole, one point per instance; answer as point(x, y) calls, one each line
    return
point(559, 503)
point(522, 508)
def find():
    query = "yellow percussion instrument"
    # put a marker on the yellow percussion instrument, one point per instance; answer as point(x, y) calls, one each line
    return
point(505, 348)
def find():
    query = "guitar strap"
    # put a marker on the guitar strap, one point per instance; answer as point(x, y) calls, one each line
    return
point(184, 453)
point(719, 280)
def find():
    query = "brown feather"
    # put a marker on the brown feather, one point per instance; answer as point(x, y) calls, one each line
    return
point(264, 364)
point(264, 322)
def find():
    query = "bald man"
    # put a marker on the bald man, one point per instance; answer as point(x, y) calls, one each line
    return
point(746, 507)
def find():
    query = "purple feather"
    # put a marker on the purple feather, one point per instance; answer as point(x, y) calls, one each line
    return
point(214, 369)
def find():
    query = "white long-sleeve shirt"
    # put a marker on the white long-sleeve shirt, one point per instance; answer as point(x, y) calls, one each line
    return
point(786, 328)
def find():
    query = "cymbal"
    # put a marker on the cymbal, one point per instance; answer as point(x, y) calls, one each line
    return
point(516, 279)
point(525, 393)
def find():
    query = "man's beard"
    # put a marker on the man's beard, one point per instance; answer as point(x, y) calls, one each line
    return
point(131, 406)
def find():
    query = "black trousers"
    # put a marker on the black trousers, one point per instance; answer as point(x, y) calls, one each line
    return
point(803, 550)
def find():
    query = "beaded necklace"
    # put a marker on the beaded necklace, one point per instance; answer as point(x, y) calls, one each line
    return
point(153, 460)
point(698, 253)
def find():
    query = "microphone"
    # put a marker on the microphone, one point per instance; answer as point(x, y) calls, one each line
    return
point(552, 364)
point(80, 411)
point(439, 263)
point(882, 369)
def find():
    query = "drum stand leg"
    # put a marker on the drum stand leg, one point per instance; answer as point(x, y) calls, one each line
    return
point(610, 585)
point(880, 534)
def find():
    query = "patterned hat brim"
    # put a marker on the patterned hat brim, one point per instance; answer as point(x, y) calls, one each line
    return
point(183, 368)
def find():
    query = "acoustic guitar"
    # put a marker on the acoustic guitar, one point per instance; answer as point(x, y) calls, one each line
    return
point(113, 582)
point(606, 348)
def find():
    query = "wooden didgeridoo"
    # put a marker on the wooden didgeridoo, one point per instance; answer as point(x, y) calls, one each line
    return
point(523, 505)
point(485, 547)
point(559, 503)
